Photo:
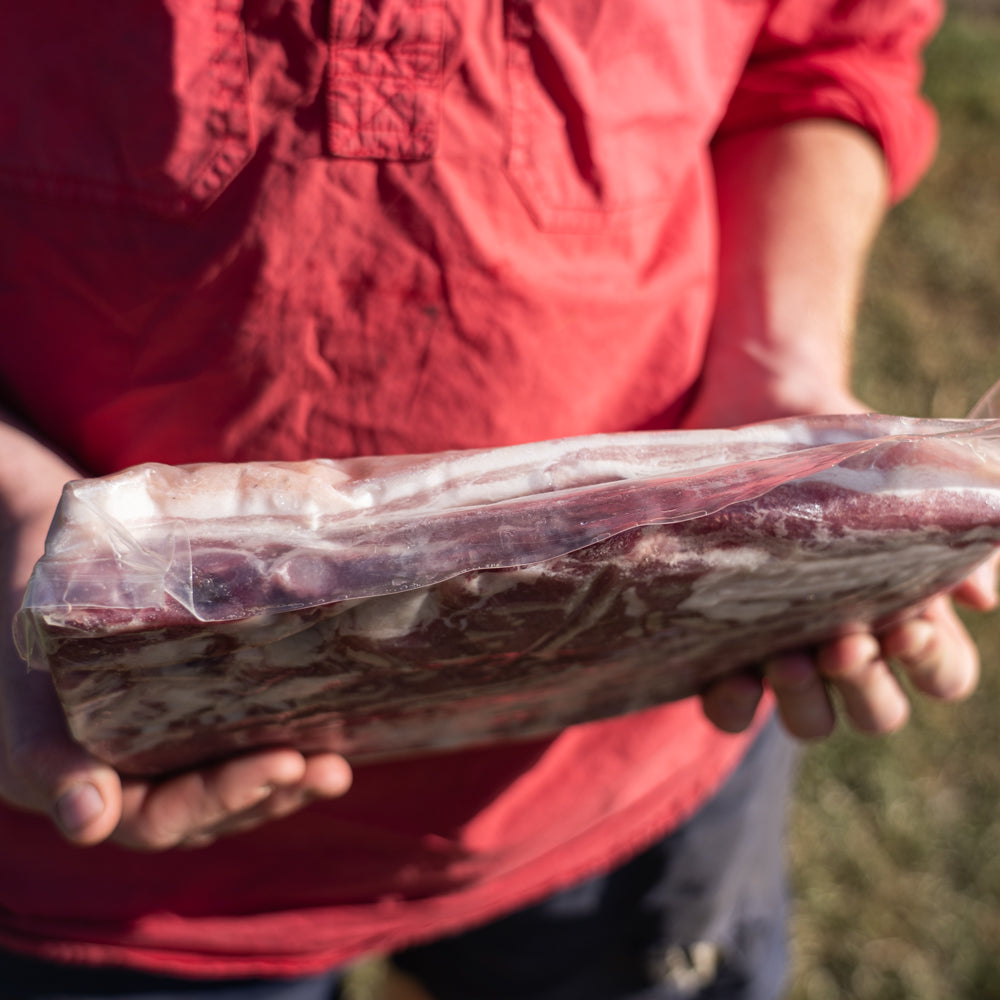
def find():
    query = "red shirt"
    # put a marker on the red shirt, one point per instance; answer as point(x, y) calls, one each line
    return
point(299, 230)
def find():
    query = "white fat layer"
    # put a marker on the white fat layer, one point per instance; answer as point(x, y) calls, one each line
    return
point(323, 488)
point(733, 583)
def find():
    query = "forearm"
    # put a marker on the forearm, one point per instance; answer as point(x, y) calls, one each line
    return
point(799, 206)
point(31, 474)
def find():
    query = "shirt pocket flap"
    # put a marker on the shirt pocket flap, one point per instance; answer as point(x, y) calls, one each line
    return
point(124, 101)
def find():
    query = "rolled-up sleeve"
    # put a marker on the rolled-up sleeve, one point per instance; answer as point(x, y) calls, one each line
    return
point(855, 60)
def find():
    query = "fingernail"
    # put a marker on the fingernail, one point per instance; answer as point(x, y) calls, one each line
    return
point(919, 636)
point(986, 579)
point(78, 807)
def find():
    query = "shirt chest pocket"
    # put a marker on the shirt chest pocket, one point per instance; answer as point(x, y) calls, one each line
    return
point(124, 101)
point(385, 78)
point(611, 105)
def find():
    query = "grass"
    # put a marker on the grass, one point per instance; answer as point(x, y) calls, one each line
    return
point(894, 841)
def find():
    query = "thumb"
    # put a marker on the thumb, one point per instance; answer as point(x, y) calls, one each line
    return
point(43, 770)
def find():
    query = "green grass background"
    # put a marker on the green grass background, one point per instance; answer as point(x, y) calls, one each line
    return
point(896, 841)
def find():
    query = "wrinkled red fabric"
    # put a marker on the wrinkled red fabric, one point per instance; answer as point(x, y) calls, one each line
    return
point(283, 229)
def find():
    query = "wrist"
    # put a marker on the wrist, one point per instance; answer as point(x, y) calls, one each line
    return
point(725, 401)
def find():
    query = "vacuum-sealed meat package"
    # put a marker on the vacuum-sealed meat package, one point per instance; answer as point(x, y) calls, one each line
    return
point(388, 606)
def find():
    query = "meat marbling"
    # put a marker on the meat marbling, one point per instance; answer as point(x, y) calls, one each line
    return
point(380, 607)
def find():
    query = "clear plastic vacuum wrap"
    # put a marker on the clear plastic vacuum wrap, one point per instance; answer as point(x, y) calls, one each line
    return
point(386, 606)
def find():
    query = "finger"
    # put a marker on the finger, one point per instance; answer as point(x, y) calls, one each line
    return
point(326, 778)
point(803, 700)
point(278, 803)
point(936, 652)
point(872, 699)
point(978, 590)
point(730, 704)
point(199, 806)
point(164, 814)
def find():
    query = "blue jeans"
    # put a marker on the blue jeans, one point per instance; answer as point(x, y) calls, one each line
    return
point(30, 979)
point(700, 915)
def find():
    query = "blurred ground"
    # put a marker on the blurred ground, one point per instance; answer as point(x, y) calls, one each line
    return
point(895, 841)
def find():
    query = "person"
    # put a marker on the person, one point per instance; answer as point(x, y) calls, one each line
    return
point(288, 229)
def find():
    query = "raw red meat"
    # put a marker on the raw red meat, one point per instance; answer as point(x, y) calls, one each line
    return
point(387, 606)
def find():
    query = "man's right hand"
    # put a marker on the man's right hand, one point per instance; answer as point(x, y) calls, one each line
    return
point(43, 770)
